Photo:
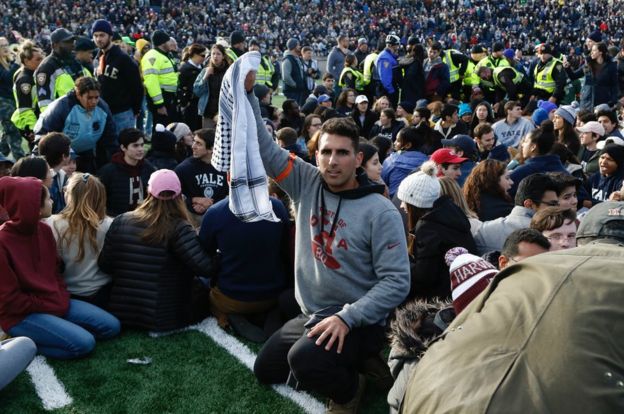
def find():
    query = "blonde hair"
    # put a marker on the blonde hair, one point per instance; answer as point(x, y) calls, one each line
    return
point(451, 188)
point(84, 212)
point(5, 62)
point(160, 217)
point(27, 50)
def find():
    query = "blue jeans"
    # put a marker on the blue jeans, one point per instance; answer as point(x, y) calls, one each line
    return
point(71, 336)
point(124, 120)
point(15, 355)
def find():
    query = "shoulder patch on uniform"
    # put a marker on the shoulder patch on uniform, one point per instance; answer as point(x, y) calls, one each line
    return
point(41, 78)
point(559, 67)
point(151, 60)
point(25, 88)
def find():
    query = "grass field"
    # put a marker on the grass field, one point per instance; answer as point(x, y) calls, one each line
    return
point(202, 370)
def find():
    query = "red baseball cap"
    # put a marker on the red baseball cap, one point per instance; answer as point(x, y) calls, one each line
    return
point(446, 156)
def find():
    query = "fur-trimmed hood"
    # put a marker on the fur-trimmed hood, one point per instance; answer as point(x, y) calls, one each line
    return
point(416, 325)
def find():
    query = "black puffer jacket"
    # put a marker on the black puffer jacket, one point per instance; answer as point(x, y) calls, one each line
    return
point(444, 227)
point(152, 283)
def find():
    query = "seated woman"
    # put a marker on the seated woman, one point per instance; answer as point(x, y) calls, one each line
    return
point(152, 254)
point(435, 225)
point(33, 299)
point(451, 189)
point(536, 149)
point(407, 158)
point(79, 231)
point(486, 189)
point(557, 225)
point(387, 126)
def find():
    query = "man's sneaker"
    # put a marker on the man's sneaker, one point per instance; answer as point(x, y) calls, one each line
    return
point(377, 371)
point(350, 407)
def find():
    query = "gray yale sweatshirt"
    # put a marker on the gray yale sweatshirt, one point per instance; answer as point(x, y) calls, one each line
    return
point(364, 269)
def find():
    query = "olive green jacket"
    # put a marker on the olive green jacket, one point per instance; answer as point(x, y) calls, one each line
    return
point(547, 336)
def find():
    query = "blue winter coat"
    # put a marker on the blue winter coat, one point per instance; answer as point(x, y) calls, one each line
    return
point(398, 166)
point(539, 164)
point(84, 128)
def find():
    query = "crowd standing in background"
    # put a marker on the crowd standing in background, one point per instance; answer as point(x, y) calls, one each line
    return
point(422, 148)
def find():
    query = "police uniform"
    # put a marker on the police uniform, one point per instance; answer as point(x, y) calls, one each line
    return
point(511, 82)
point(458, 65)
point(549, 79)
point(161, 83)
point(265, 73)
point(25, 94)
point(10, 139)
point(370, 77)
point(351, 78)
point(55, 77)
point(488, 86)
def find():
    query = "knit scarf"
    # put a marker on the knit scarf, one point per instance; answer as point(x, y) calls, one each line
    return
point(236, 146)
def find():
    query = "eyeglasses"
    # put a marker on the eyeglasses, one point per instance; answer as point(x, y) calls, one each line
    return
point(559, 237)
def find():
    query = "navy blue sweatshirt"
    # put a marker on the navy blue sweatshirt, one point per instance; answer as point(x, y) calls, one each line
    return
point(253, 256)
point(200, 179)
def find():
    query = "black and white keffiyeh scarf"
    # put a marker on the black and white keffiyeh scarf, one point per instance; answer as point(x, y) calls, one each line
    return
point(236, 145)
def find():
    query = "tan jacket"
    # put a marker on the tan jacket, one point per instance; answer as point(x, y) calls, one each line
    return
point(547, 336)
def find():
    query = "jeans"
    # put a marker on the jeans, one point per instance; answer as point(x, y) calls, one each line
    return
point(332, 375)
point(144, 120)
point(71, 336)
point(123, 120)
point(15, 355)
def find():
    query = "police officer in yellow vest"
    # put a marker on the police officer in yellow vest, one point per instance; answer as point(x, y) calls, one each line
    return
point(493, 61)
point(58, 72)
point(370, 77)
point(160, 78)
point(458, 64)
point(549, 76)
point(237, 46)
point(24, 91)
point(350, 77)
point(508, 82)
point(266, 74)
point(471, 79)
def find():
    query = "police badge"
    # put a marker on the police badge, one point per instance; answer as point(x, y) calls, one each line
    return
point(25, 88)
point(41, 78)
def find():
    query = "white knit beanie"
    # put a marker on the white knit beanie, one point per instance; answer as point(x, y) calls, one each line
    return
point(421, 189)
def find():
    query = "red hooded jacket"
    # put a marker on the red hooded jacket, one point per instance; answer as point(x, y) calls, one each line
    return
point(30, 280)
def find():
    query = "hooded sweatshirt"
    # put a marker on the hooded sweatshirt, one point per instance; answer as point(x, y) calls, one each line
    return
point(126, 185)
point(30, 281)
point(351, 252)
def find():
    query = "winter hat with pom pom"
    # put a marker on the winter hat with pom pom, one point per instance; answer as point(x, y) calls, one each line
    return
point(421, 189)
point(470, 275)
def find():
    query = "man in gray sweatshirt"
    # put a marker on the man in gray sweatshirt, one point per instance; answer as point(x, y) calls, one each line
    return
point(351, 264)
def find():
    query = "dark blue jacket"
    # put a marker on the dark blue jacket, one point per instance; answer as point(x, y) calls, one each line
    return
point(254, 257)
point(499, 152)
point(539, 164)
point(602, 186)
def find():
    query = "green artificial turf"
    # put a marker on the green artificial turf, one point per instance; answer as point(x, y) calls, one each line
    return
point(189, 373)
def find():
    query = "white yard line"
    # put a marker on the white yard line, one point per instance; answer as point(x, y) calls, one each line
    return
point(49, 389)
point(241, 352)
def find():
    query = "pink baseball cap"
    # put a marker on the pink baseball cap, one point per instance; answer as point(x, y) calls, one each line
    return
point(164, 180)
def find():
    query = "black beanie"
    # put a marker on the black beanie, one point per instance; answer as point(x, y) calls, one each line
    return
point(163, 140)
point(617, 153)
point(159, 37)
